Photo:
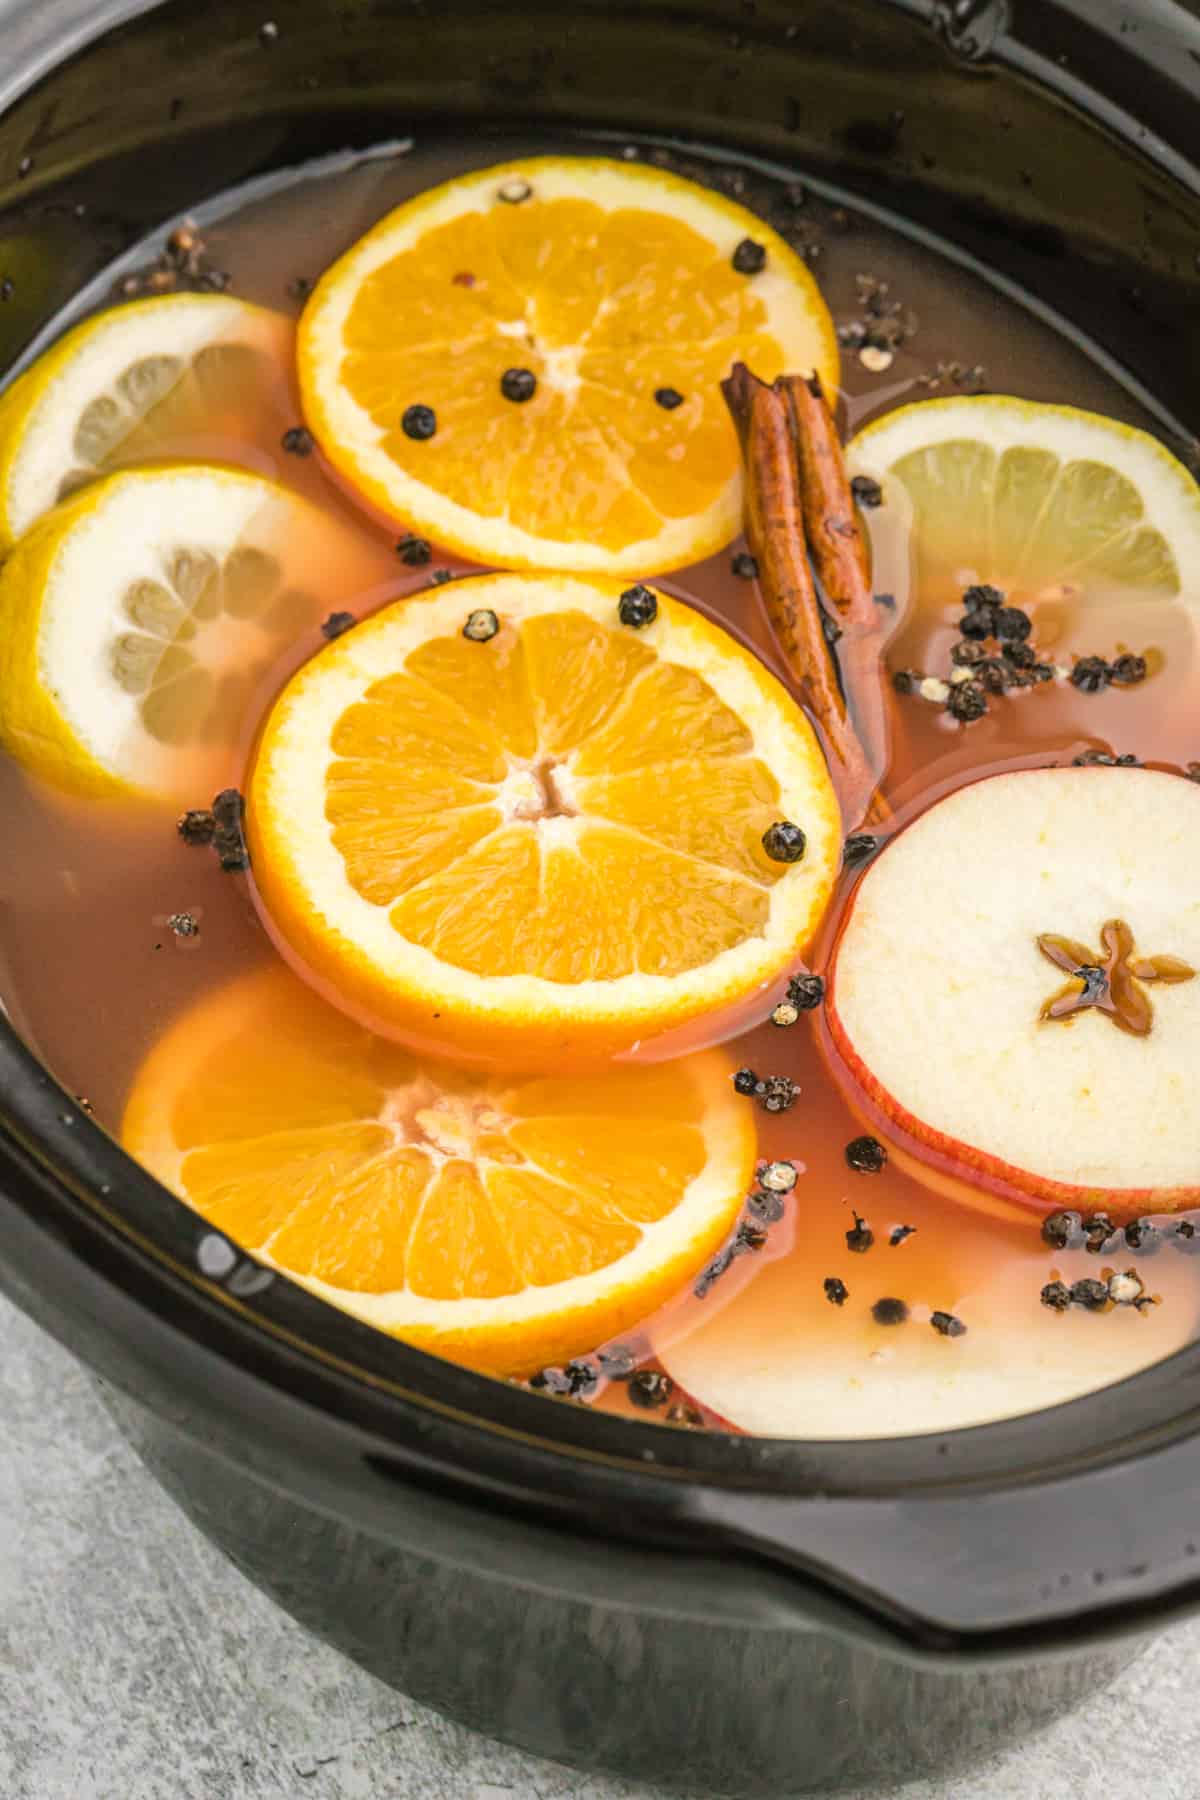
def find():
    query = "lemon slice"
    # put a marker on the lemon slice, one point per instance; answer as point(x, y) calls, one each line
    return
point(503, 822)
point(139, 620)
point(1037, 500)
point(620, 296)
point(115, 388)
point(503, 1222)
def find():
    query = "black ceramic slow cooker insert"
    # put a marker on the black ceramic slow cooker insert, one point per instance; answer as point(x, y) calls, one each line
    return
point(738, 1615)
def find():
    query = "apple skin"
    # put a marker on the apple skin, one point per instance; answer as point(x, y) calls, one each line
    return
point(965, 1173)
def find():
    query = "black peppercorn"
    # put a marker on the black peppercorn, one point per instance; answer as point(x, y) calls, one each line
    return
point(481, 625)
point(1020, 655)
point(776, 1093)
point(836, 1291)
point(784, 842)
point(637, 606)
point(866, 1155)
point(889, 1311)
point(1089, 1293)
point(947, 1324)
point(582, 1379)
point(900, 1233)
point(712, 1271)
point(982, 596)
point(977, 624)
point(1061, 1229)
point(806, 991)
point(765, 1206)
point(1142, 1235)
point(907, 681)
point(1095, 759)
point(298, 440)
point(745, 1081)
point(887, 601)
point(337, 623)
point(860, 847)
point(992, 676)
point(748, 1236)
point(440, 577)
point(650, 1387)
point(1090, 674)
point(830, 628)
point(967, 652)
point(1099, 1228)
point(517, 384)
point(967, 702)
point(745, 566)
point(551, 1381)
point(1012, 624)
point(860, 1237)
point(415, 551)
point(196, 826)
point(668, 398)
point(749, 258)
point(1056, 1295)
point(418, 422)
point(1128, 670)
point(866, 491)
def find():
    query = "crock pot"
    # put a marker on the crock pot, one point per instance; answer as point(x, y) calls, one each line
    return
point(734, 1615)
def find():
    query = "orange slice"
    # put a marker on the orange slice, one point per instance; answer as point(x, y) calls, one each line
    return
point(505, 1223)
point(607, 282)
point(545, 845)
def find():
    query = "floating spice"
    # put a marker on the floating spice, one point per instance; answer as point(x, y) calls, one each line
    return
point(481, 625)
point(806, 991)
point(866, 1155)
point(765, 1205)
point(780, 1177)
point(749, 257)
point(785, 1013)
point(860, 1237)
point(1090, 674)
point(1128, 670)
point(229, 838)
point(1142, 1234)
point(775, 522)
point(337, 623)
point(745, 567)
point(196, 826)
point(298, 440)
point(1098, 1230)
point(415, 551)
point(518, 385)
point(1126, 1289)
point(745, 1081)
point(1056, 1295)
point(638, 606)
point(947, 1324)
point(1089, 1293)
point(183, 924)
point(836, 1291)
point(650, 1388)
point(867, 491)
point(889, 1311)
point(784, 842)
point(1111, 980)
point(900, 1233)
point(1062, 1229)
point(668, 398)
point(617, 1362)
point(776, 1093)
point(860, 847)
point(418, 422)
point(513, 191)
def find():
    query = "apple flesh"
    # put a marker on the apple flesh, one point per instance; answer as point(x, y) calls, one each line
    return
point(937, 990)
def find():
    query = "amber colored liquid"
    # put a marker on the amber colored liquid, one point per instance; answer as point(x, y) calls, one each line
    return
point(91, 973)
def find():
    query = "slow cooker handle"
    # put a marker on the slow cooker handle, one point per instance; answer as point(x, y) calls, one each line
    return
point(1107, 1550)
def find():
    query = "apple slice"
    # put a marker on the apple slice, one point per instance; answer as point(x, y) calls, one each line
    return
point(779, 1360)
point(1013, 989)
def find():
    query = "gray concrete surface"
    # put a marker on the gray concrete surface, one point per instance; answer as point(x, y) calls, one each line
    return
point(135, 1664)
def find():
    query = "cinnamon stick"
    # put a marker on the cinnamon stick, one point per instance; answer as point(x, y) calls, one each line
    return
point(775, 530)
point(838, 547)
point(835, 537)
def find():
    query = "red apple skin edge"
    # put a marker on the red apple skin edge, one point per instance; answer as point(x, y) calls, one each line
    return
point(980, 1180)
